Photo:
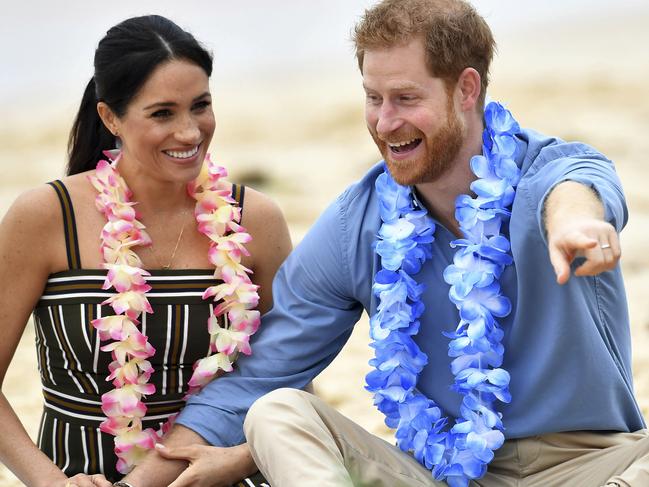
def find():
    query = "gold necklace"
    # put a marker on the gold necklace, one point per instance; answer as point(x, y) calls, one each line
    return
point(173, 254)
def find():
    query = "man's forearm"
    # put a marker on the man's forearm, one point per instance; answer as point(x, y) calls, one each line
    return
point(570, 201)
point(155, 471)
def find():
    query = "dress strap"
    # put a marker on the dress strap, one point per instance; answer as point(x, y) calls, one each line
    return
point(69, 225)
point(238, 192)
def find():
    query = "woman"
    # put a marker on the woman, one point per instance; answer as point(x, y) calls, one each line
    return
point(117, 294)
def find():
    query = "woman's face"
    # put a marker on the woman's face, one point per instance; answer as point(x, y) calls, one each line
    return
point(168, 126)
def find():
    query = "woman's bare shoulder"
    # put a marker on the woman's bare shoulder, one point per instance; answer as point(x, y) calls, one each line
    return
point(31, 229)
point(260, 210)
point(264, 221)
point(41, 206)
point(37, 206)
point(79, 187)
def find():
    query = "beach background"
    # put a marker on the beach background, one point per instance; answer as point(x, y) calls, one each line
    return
point(289, 108)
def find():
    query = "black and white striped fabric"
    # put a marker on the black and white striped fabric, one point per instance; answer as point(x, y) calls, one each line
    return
point(73, 369)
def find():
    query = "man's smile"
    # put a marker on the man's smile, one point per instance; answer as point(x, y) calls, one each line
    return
point(403, 147)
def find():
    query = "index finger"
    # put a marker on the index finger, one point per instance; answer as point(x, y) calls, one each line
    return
point(560, 264)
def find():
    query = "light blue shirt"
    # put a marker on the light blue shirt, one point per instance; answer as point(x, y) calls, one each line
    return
point(567, 348)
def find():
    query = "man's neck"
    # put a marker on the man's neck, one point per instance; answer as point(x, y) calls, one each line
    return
point(439, 196)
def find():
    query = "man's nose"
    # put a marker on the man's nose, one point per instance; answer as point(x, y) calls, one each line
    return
point(388, 120)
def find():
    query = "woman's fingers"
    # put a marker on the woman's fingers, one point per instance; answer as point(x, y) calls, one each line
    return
point(189, 453)
point(100, 481)
point(83, 480)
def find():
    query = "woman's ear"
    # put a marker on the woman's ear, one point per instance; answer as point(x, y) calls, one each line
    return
point(108, 117)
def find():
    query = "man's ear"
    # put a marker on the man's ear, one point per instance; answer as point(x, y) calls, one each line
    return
point(469, 88)
point(108, 117)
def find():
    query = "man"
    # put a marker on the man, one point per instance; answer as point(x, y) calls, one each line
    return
point(564, 349)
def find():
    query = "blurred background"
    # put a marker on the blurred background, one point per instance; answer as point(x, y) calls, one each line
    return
point(289, 108)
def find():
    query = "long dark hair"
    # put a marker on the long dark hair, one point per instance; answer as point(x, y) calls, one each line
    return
point(124, 60)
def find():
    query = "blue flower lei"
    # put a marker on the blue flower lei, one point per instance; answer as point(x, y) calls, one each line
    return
point(404, 242)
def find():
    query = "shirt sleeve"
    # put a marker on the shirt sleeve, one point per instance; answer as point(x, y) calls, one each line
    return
point(312, 318)
point(582, 164)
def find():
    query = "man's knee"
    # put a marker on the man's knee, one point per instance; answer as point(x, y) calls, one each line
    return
point(269, 407)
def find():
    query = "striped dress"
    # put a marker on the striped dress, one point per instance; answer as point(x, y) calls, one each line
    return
point(73, 369)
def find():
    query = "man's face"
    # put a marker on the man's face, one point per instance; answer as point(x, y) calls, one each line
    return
point(410, 113)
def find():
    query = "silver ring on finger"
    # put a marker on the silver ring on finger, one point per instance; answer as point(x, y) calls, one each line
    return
point(605, 246)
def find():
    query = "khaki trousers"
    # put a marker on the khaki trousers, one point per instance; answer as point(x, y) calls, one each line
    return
point(298, 440)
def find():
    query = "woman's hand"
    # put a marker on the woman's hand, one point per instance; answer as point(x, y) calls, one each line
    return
point(83, 480)
point(210, 466)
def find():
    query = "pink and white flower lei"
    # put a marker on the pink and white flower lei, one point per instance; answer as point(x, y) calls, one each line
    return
point(217, 215)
